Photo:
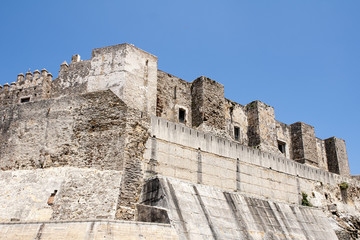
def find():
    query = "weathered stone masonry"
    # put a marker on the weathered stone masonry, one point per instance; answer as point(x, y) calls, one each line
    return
point(113, 137)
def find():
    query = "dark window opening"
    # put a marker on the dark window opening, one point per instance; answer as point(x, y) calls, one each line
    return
point(24, 100)
point(174, 92)
point(281, 146)
point(237, 133)
point(182, 114)
point(52, 198)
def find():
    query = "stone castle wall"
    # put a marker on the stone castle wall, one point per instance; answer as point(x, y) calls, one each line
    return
point(83, 131)
point(255, 122)
point(63, 193)
point(200, 157)
point(106, 124)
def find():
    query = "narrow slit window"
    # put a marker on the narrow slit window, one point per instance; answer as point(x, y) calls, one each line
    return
point(182, 115)
point(282, 147)
point(237, 133)
point(174, 92)
point(52, 198)
point(25, 100)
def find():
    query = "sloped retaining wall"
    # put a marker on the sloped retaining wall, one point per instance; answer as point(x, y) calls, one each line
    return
point(203, 212)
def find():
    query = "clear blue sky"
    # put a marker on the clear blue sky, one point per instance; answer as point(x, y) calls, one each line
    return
point(301, 57)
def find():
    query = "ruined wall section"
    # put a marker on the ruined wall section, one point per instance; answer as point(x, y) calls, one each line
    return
point(34, 86)
point(72, 78)
point(235, 116)
point(84, 131)
point(321, 154)
point(283, 133)
point(337, 156)
point(208, 105)
point(261, 130)
point(304, 143)
point(136, 135)
point(173, 94)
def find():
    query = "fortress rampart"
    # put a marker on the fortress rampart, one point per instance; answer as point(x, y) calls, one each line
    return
point(114, 138)
point(204, 158)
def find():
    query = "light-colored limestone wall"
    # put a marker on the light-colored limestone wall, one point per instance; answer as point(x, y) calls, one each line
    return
point(81, 194)
point(204, 212)
point(321, 153)
point(84, 131)
point(87, 230)
point(173, 93)
point(129, 72)
point(283, 134)
point(235, 116)
point(199, 157)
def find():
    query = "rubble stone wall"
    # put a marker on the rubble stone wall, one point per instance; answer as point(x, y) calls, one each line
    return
point(172, 94)
point(78, 194)
point(236, 116)
point(83, 131)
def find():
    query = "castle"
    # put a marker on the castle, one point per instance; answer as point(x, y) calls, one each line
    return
point(115, 148)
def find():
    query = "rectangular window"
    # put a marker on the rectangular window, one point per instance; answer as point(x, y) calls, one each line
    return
point(282, 147)
point(25, 99)
point(237, 133)
point(182, 115)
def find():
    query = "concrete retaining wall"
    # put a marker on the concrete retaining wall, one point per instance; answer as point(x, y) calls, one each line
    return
point(87, 230)
point(204, 212)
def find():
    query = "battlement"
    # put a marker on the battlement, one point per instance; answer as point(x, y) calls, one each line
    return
point(29, 87)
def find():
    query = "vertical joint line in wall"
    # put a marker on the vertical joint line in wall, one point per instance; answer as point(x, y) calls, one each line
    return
point(199, 171)
point(207, 216)
point(178, 210)
point(153, 158)
point(238, 174)
point(40, 231)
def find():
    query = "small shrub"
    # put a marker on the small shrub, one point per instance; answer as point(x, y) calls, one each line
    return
point(344, 185)
point(304, 200)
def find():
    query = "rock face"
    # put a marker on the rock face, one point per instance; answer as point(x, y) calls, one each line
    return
point(113, 138)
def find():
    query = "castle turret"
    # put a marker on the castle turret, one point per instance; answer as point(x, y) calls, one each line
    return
point(304, 143)
point(261, 126)
point(208, 103)
point(337, 156)
point(129, 72)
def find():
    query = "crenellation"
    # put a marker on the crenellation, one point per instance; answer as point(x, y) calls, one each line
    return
point(20, 78)
point(6, 88)
point(64, 67)
point(12, 86)
point(75, 58)
point(28, 78)
point(36, 75)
